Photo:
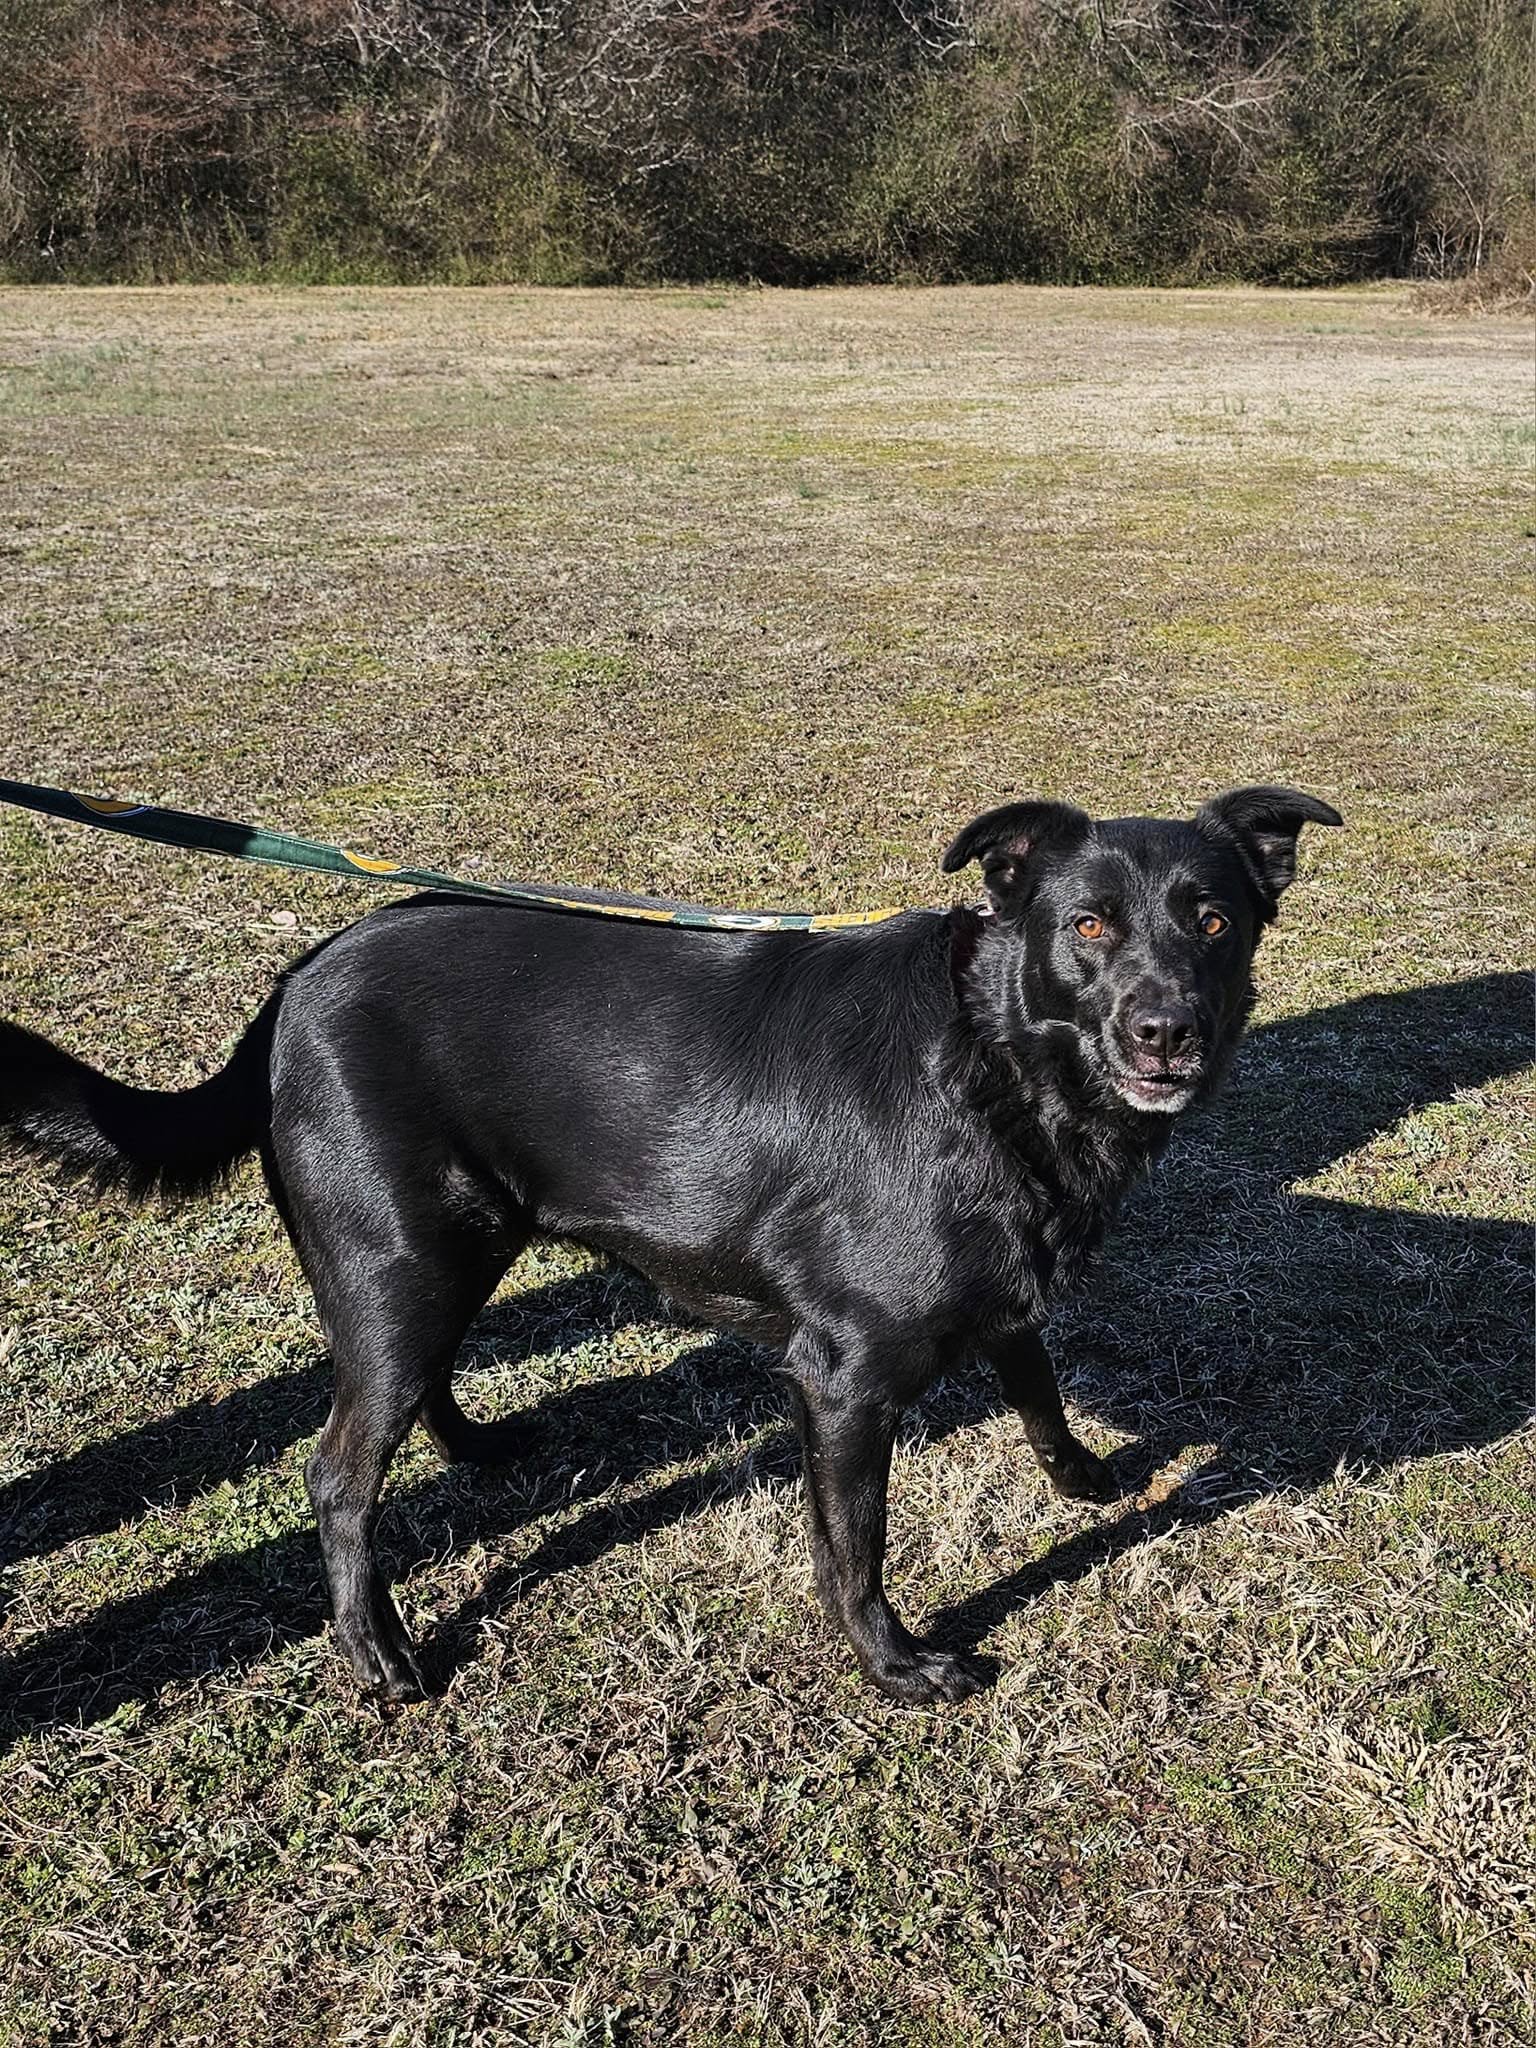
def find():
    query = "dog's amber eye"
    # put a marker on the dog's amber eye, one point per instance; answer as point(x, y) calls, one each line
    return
point(1213, 924)
point(1089, 927)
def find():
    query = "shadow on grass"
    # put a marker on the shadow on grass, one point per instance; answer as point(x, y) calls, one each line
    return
point(198, 1447)
point(1291, 1333)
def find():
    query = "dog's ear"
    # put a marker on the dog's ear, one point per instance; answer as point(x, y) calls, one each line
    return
point(1003, 841)
point(1266, 824)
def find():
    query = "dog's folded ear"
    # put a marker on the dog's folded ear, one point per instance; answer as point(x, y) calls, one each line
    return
point(1266, 824)
point(1003, 841)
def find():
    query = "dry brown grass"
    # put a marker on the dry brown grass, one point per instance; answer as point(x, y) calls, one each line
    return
point(751, 597)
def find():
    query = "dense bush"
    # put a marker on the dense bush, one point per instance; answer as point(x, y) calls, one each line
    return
point(789, 140)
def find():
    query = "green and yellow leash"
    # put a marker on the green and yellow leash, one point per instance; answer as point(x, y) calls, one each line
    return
point(194, 834)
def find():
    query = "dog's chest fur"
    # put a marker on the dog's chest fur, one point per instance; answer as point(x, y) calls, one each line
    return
point(1040, 1172)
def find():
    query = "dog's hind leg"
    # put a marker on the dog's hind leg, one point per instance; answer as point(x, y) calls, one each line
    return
point(461, 1439)
point(1028, 1381)
point(395, 1302)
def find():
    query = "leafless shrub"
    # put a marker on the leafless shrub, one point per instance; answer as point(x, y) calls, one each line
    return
point(806, 138)
point(619, 76)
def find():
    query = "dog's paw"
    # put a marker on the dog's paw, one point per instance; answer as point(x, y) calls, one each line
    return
point(928, 1678)
point(385, 1665)
point(1077, 1474)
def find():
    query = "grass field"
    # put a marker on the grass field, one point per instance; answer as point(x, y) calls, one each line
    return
point(754, 598)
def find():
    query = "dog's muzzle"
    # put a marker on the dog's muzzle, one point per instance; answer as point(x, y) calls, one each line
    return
point(1155, 1056)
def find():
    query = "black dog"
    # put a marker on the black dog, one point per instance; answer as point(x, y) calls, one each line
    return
point(873, 1149)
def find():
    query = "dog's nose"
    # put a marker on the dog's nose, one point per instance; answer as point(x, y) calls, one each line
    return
point(1162, 1028)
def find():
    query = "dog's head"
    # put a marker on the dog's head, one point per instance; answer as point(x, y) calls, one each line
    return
point(1138, 932)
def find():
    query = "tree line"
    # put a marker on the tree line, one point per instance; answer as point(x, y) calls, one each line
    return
point(791, 141)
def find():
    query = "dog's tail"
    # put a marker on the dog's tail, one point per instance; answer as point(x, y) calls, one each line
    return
point(144, 1141)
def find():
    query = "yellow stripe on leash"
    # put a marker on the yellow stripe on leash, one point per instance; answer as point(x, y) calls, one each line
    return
point(837, 920)
point(108, 807)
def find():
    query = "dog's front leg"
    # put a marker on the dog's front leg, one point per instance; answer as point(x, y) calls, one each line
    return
point(847, 1430)
point(1028, 1380)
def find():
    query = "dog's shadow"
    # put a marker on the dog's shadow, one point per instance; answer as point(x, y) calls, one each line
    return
point(1279, 1334)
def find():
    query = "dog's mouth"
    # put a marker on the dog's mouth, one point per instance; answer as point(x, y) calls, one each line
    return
point(1165, 1089)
